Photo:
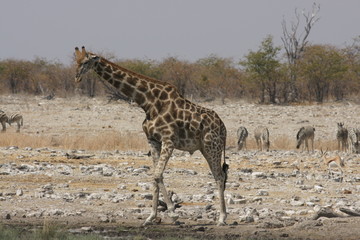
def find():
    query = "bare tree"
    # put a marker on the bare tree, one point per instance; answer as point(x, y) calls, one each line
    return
point(114, 94)
point(295, 42)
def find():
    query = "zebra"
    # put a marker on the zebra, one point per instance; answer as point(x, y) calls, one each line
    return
point(354, 137)
point(261, 134)
point(3, 120)
point(342, 137)
point(18, 118)
point(242, 134)
point(304, 134)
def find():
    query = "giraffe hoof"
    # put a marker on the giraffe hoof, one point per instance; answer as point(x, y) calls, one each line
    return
point(221, 224)
point(173, 216)
point(154, 221)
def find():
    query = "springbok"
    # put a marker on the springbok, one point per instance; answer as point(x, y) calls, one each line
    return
point(333, 162)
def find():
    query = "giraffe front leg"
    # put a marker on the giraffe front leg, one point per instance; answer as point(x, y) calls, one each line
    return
point(167, 199)
point(153, 213)
point(166, 151)
point(155, 153)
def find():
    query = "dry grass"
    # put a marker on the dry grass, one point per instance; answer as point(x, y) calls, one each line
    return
point(135, 142)
point(102, 141)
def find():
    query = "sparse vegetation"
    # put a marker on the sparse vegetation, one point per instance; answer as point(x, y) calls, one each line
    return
point(265, 77)
point(46, 232)
point(101, 141)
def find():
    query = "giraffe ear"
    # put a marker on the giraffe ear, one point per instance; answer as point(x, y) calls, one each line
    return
point(77, 54)
point(83, 52)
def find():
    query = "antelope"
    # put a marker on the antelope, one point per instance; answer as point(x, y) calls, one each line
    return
point(333, 162)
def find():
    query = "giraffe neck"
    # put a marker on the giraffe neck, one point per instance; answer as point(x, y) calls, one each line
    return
point(130, 84)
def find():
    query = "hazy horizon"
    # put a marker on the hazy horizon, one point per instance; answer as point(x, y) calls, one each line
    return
point(140, 29)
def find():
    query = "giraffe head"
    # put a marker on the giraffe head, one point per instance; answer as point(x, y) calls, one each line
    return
point(85, 61)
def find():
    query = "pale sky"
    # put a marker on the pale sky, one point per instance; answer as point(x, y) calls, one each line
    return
point(156, 29)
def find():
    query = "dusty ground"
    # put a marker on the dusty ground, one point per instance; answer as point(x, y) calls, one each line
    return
point(270, 195)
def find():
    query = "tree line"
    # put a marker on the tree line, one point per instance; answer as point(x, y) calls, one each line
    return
point(295, 72)
point(323, 72)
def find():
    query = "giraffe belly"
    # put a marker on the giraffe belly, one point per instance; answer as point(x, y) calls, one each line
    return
point(189, 145)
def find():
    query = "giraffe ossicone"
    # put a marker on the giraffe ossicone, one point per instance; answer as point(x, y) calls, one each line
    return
point(171, 122)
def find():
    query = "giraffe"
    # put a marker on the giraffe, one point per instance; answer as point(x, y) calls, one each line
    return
point(171, 122)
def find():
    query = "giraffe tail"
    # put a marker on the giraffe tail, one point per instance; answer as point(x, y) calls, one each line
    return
point(225, 166)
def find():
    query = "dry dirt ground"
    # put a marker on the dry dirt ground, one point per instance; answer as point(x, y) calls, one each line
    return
point(270, 195)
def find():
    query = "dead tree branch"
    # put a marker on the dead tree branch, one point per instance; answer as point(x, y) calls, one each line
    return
point(113, 94)
point(295, 43)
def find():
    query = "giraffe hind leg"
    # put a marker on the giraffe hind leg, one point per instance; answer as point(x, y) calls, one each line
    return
point(220, 174)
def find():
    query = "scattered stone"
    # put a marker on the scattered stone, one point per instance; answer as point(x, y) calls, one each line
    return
point(13, 148)
point(86, 229)
point(258, 175)
point(262, 193)
point(19, 192)
point(249, 215)
point(272, 224)
point(297, 203)
point(200, 229)
point(327, 212)
point(318, 188)
point(55, 212)
point(104, 218)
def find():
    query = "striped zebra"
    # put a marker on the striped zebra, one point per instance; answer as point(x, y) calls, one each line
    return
point(242, 134)
point(3, 120)
point(342, 137)
point(18, 118)
point(354, 138)
point(262, 138)
point(303, 135)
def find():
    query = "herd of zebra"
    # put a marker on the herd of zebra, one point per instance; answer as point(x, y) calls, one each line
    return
point(348, 139)
point(9, 119)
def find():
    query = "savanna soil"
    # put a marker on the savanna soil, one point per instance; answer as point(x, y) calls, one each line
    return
point(81, 164)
